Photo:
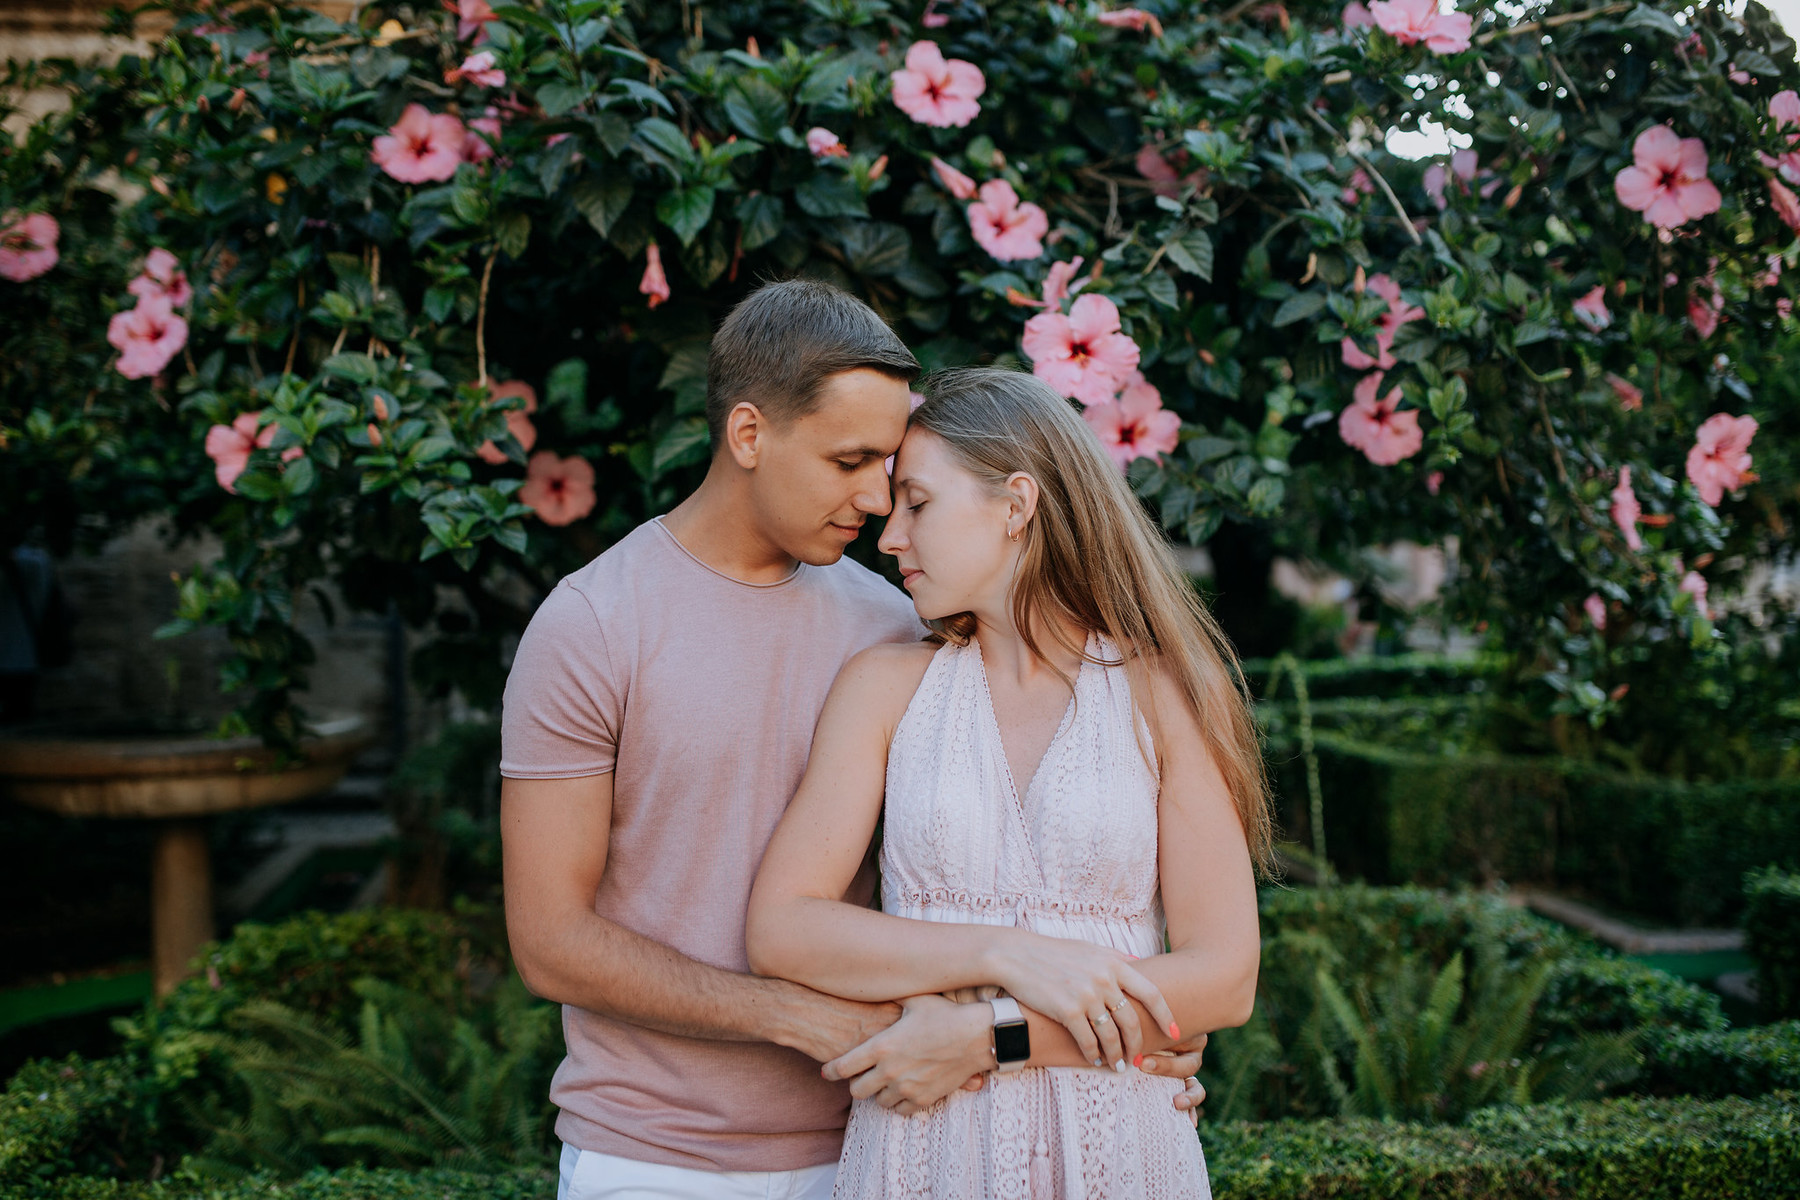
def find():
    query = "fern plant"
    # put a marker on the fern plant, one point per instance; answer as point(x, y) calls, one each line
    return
point(1437, 1043)
point(415, 1086)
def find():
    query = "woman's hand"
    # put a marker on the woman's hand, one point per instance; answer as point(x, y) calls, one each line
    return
point(1084, 988)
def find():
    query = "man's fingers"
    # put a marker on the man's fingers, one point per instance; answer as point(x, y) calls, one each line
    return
point(1195, 1045)
point(1165, 1062)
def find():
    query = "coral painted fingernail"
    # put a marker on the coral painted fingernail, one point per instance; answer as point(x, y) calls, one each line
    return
point(1138, 1062)
point(1174, 1030)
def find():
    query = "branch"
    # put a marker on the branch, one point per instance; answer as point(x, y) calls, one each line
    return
point(487, 272)
point(1587, 14)
point(1366, 165)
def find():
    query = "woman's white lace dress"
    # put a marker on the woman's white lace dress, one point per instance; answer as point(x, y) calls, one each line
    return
point(1074, 857)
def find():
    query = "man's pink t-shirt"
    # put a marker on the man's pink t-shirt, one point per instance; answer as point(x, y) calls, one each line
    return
point(700, 693)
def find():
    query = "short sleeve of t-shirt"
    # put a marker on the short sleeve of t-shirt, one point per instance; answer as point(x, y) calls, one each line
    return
point(564, 699)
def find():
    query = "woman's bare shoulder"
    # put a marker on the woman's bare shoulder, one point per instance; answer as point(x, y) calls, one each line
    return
point(889, 668)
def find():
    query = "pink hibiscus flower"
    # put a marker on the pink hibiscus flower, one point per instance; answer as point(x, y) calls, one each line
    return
point(1004, 227)
point(1703, 310)
point(933, 90)
point(478, 69)
point(1358, 16)
point(422, 147)
point(1694, 584)
point(1719, 461)
point(1056, 282)
point(162, 276)
point(654, 284)
point(1135, 19)
point(1631, 398)
point(1625, 510)
point(480, 136)
point(518, 420)
point(559, 490)
point(28, 245)
point(1667, 179)
point(954, 181)
point(229, 447)
point(1411, 21)
point(472, 17)
point(1785, 203)
point(1387, 325)
point(146, 337)
point(1360, 185)
point(1166, 180)
point(1136, 425)
point(1592, 310)
point(1596, 610)
point(823, 143)
point(1784, 107)
point(1377, 427)
point(1083, 354)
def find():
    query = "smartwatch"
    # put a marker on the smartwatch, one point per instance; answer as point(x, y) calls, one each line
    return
point(1012, 1036)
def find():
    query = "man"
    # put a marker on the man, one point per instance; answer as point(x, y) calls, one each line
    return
point(657, 721)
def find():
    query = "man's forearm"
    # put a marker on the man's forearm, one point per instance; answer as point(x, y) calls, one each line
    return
point(601, 966)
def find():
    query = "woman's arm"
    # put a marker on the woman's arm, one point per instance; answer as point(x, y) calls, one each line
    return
point(799, 928)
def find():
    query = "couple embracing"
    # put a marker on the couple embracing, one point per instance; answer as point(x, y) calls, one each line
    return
point(720, 736)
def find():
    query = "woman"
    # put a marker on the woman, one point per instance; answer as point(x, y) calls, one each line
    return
point(1066, 770)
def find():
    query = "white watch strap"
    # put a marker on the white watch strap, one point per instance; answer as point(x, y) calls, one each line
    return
point(1006, 1009)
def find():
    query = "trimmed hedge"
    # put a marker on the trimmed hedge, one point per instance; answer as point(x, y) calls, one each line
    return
point(1731, 1149)
point(1734, 1062)
point(1772, 938)
point(1645, 844)
point(1724, 1150)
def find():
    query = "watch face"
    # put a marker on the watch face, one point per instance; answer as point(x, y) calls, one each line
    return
point(1012, 1041)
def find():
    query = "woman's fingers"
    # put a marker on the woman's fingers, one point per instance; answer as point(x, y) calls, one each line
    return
point(1131, 1030)
point(1112, 1053)
point(1082, 1030)
point(1147, 994)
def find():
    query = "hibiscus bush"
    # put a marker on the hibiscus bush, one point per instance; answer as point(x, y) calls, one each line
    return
point(431, 292)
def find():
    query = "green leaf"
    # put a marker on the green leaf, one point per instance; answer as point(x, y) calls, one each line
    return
point(685, 210)
point(830, 194)
point(512, 232)
point(683, 444)
point(665, 143)
point(827, 85)
point(438, 302)
point(1193, 253)
point(1299, 307)
point(566, 384)
point(756, 108)
point(1160, 287)
point(298, 478)
point(519, 15)
point(762, 215)
point(602, 200)
point(357, 368)
point(558, 98)
point(875, 247)
point(257, 485)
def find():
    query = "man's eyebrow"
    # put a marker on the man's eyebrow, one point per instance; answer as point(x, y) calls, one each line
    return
point(861, 452)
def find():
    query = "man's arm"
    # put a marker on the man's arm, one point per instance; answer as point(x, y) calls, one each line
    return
point(555, 835)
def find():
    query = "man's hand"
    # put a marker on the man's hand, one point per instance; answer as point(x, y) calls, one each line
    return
point(1180, 1061)
point(936, 1047)
point(832, 1028)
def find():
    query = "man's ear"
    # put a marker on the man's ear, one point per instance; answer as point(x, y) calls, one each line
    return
point(744, 429)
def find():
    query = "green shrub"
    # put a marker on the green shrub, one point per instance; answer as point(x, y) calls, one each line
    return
point(59, 1117)
point(1772, 936)
point(1724, 1150)
point(418, 1086)
point(1731, 1062)
point(1604, 994)
point(1645, 844)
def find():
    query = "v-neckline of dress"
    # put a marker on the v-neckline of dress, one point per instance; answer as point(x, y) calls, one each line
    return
point(993, 722)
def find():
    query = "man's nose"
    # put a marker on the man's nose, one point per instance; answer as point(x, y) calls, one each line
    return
point(877, 497)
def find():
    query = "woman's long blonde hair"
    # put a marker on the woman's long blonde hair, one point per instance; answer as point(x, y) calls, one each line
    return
point(1092, 558)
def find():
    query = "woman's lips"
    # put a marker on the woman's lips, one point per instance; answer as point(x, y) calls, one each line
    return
point(907, 576)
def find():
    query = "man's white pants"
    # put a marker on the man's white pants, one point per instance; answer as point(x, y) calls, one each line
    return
point(590, 1175)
